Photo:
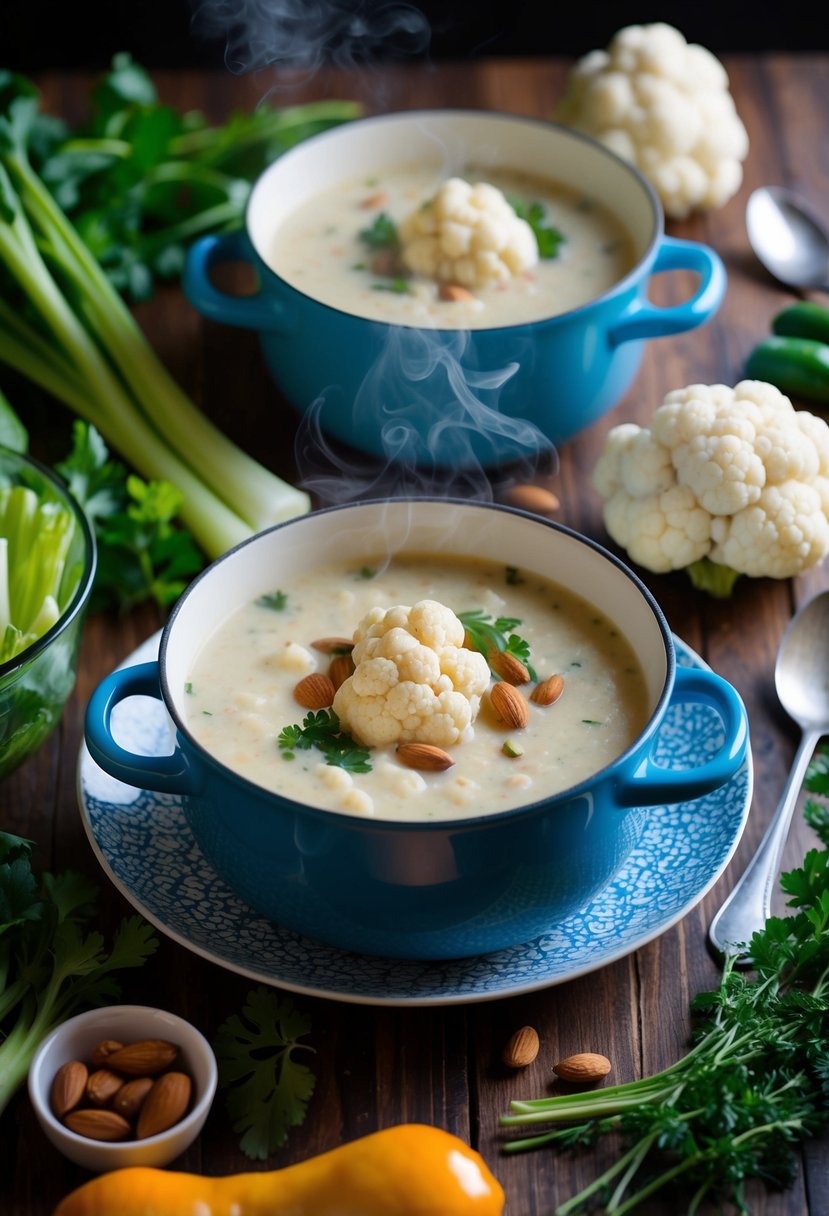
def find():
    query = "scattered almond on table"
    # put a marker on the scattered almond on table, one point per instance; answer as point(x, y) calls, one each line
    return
point(583, 1068)
point(522, 1048)
point(537, 499)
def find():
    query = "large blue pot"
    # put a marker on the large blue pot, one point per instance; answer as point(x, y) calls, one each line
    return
point(366, 380)
point(428, 889)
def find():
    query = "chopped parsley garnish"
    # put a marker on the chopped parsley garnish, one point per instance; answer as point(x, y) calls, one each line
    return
point(382, 234)
point(321, 729)
point(487, 635)
point(513, 576)
point(399, 286)
point(188, 687)
point(275, 600)
point(547, 238)
point(591, 722)
point(366, 572)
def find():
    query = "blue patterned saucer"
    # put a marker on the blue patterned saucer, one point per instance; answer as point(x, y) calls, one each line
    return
point(146, 848)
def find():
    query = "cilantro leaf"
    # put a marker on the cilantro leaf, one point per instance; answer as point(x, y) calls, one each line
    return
point(321, 729)
point(275, 600)
point(382, 234)
point(547, 238)
point(266, 1091)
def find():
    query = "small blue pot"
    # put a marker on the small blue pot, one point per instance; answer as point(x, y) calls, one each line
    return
point(425, 890)
point(365, 378)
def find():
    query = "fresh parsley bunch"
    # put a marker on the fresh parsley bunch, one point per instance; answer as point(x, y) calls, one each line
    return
point(754, 1084)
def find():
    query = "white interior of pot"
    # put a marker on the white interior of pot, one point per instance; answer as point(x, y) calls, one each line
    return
point(363, 533)
point(448, 141)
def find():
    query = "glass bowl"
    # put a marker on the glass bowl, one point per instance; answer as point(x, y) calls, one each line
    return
point(35, 684)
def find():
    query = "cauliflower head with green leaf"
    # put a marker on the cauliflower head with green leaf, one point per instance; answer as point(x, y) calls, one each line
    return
point(467, 234)
point(664, 105)
point(413, 682)
point(736, 477)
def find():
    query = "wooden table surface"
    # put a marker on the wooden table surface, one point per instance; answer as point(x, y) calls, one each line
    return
point(380, 1066)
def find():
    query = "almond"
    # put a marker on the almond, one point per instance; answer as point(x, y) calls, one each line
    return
point(548, 690)
point(98, 1124)
point(522, 1048)
point(333, 645)
point(68, 1087)
point(508, 667)
point(130, 1097)
point(315, 691)
point(532, 498)
point(583, 1068)
point(164, 1105)
point(378, 199)
point(424, 756)
point(102, 1051)
point(509, 706)
point(102, 1086)
point(454, 293)
point(143, 1058)
point(340, 669)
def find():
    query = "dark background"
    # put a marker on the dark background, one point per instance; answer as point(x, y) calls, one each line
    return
point(247, 34)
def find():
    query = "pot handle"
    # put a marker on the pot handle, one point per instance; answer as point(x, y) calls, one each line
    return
point(645, 320)
point(171, 774)
point(651, 784)
point(263, 310)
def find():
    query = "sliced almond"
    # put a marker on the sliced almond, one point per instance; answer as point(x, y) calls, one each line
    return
point(340, 668)
point(102, 1051)
point(102, 1086)
point(164, 1105)
point(508, 667)
point(333, 645)
point(583, 1068)
point(378, 199)
point(68, 1087)
point(509, 706)
point(454, 293)
point(532, 498)
point(424, 756)
point(522, 1048)
point(144, 1058)
point(548, 690)
point(130, 1097)
point(315, 691)
point(98, 1124)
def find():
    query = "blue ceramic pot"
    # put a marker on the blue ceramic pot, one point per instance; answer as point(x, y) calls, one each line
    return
point(426, 889)
point(364, 378)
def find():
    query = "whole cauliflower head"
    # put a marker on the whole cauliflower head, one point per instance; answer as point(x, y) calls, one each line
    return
point(414, 682)
point(467, 234)
point(664, 105)
point(737, 475)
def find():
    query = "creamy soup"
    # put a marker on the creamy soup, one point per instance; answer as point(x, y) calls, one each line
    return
point(240, 692)
point(319, 250)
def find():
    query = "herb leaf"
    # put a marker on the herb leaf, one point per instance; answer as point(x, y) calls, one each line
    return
point(487, 635)
point(275, 600)
point(398, 286)
point(267, 1091)
point(382, 234)
point(548, 239)
point(321, 729)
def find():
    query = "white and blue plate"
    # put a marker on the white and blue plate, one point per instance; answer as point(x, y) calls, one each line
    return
point(148, 851)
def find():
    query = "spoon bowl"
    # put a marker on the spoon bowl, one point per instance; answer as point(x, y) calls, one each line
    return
point(801, 678)
point(787, 238)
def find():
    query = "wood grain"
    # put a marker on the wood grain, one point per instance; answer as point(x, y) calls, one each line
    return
point(376, 1067)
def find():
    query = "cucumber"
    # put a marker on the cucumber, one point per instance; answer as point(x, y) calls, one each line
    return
point(803, 320)
point(799, 367)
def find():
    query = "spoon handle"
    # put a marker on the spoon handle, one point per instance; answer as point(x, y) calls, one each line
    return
point(747, 907)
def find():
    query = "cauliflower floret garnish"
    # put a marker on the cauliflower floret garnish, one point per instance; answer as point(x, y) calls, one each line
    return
point(664, 105)
point(736, 476)
point(467, 234)
point(413, 681)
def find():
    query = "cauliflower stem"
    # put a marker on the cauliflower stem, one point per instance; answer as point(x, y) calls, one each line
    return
point(714, 578)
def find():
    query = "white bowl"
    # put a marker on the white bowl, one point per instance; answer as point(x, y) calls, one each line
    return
point(75, 1039)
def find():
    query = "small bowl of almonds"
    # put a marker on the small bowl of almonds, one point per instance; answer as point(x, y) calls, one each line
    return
point(123, 1085)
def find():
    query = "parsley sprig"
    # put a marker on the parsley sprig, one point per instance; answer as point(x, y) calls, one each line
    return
point(321, 729)
point(753, 1085)
point(266, 1090)
point(381, 234)
point(487, 635)
point(548, 239)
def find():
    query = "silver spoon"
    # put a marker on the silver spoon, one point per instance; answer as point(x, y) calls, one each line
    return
point(790, 242)
point(801, 677)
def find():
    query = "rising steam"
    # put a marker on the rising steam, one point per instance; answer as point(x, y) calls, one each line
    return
point(308, 33)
